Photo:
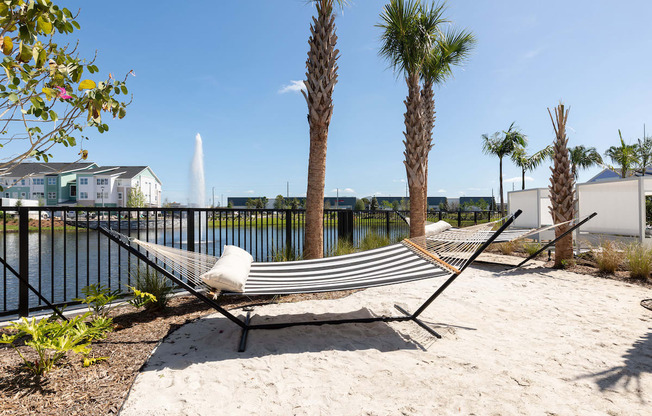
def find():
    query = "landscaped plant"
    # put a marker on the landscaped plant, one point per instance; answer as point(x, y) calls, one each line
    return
point(608, 256)
point(100, 299)
point(151, 289)
point(507, 248)
point(531, 247)
point(639, 261)
point(343, 247)
point(52, 339)
point(373, 240)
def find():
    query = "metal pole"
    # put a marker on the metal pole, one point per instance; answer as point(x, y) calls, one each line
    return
point(23, 261)
point(190, 237)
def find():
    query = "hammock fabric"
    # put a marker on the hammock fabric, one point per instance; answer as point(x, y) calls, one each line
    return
point(407, 261)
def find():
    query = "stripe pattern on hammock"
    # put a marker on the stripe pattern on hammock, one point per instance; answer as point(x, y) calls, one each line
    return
point(383, 266)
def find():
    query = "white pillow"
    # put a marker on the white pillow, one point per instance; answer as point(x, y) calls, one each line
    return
point(437, 227)
point(231, 270)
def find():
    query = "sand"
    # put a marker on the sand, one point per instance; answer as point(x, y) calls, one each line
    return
point(532, 341)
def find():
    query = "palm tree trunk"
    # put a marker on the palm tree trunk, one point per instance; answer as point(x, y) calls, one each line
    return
point(428, 104)
point(321, 79)
point(561, 187)
point(523, 179)
point(415, 155)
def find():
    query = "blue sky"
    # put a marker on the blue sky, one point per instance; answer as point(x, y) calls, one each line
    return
point(219, 68)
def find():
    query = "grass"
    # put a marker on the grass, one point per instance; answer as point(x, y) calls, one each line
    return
point(609, 256)
point(532, 247)
point(639, 260)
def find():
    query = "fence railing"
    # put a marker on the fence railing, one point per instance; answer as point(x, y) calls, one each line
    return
point(59, 252)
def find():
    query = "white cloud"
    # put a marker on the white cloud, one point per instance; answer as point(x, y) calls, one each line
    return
point(293, 86)
point(477, 189)
point(249, 192)
point(442, 191)
point(532, 53)
point(399, 180)
point(343, 190)
point(518, 179)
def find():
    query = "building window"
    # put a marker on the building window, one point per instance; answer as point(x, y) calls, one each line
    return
point(52, 181)
point(119, 195)
point(99, 195)
point(22, 182)
point(23, 195)
point(6, 194)
point(52, 195)
point(38, 195)
point(83, 195)
point(83, 181)
point(104, 181)
point(37, 181)
point(73, 190)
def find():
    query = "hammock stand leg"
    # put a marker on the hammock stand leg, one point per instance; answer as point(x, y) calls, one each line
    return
point(551, 243)
point(245, 332)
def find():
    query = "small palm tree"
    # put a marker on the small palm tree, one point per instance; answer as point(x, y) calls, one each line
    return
point(644, 154)
point(502, 145)
point(529, 163)
point(624, 156)
point(583, 158)
point(409, 30)
point(321, 79)
point(450, 49)
point(561, 187)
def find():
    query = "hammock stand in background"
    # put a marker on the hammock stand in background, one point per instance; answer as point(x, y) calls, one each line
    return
point(399, 263)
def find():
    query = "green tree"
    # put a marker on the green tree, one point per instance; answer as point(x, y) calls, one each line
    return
point(531, 162)
point(386, 204)
point(359, 205)
point(644, 154)
point(396, 205)
point(366, 202)
point(229, 205)
point(625, 156)
point(263, 202)
point(374, 203)
point(321, 79)
point(279, 202)
point(502, 145)
point(45, 97)
point(251, 203)
point(409, 31)
point(583, 158)
point(136, 198)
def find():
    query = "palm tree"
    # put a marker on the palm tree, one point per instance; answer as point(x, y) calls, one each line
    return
point(583, 158)
point(321, 79)
point(501, 145)
point(408, 35)
point(529, 163)
point(449, 50)
point(561, 187)
point(644, 154)
point(624, 156)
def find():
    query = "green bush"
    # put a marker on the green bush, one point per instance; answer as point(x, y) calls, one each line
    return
point(531, 248)
point(99, 298)
point(151, 289)
point(639, 261)
point(343, 247)
point(609, 256)
point(373, 240)
point(286, 254)
point(52, 339)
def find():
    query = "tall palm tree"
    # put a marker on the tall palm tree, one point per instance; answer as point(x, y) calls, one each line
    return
point(502, 145)
point(409, 30)
point(644, 154)
point(529, 163)
point(583, 158)
point(321, 79)
point(624, 156)
point(562, 183)
point(450, 49)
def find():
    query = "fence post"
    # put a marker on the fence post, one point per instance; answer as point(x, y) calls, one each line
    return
point(345, 225)
point(190, 235)
point(475, 217)
point(387, 223)
point(23, 260)
point(459, 218)
point(439, 215)
point(288, 230)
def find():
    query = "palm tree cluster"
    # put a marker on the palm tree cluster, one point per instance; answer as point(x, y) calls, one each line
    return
point(417, 47)
point(630, 158)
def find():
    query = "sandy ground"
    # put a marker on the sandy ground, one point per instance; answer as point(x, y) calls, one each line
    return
point(523, 342)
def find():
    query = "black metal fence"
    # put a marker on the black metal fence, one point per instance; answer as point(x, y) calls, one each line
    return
point(59, 251)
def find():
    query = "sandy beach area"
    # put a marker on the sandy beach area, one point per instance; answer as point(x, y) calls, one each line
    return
point(524, 342)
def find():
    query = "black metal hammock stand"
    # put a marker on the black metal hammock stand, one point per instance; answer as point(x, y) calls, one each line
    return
point(408, 261)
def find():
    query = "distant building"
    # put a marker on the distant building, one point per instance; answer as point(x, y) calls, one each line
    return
point(329, 202)
point(83, 184)
point(608, 174)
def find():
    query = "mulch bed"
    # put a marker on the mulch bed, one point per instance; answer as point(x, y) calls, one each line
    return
point(70, 389)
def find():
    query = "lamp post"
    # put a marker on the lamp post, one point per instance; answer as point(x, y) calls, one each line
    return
point(213, 197)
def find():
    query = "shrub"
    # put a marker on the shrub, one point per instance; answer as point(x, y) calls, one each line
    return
point(52, 339)
point(343, 247)
point(531, 248)
point(609, 256)
point(373, 240)
point(286, 254)
point(99, 298)
point(639, 261)
point(151, 289)
point(507, 248)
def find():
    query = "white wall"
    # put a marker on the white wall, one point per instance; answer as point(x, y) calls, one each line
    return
point(619, 205)
point(534, 204)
